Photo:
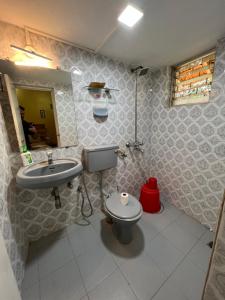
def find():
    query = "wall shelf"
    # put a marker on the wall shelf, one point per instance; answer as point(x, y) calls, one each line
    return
point(105, 89)
point(98, 93)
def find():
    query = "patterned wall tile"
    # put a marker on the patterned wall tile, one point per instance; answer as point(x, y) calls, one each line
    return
point(187, 147)
point(37, 206)
point(11, 223)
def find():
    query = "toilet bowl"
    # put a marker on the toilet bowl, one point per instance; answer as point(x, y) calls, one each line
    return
point(101, 158)
point(123, 216)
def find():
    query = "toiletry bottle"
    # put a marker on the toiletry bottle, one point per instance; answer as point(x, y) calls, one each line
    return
point(27, 158)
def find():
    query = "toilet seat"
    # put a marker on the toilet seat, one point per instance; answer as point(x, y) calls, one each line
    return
point(131, 211)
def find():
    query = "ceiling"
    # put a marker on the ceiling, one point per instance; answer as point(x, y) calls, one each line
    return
point(170, 31)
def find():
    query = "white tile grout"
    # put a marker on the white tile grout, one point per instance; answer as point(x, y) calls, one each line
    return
point(75, 259)
point(178, 266)
point(185, 255)
point(118, 268)
point(117, 264)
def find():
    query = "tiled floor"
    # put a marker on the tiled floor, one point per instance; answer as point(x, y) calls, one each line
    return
point(167, 260)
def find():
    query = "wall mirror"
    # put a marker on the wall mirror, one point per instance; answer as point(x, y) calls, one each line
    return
point(42, 106)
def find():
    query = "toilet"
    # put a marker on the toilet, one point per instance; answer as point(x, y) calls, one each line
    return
point(100, 158)
point(123, 216)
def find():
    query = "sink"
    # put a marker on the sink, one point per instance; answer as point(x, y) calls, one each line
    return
point(45, 175)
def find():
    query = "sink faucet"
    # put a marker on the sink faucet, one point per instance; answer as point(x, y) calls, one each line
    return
point(50, 160)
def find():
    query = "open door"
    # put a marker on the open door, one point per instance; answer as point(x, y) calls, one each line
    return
point(15, 111)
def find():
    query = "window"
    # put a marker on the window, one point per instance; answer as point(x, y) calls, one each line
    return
point(192, 80)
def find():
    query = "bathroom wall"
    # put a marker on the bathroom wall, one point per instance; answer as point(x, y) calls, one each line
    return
point(188, 146)
point(37, 206)
point(11, 223)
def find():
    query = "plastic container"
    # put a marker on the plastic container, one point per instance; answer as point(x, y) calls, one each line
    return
point(150, 196)
point(152, 183)
point(26, 158)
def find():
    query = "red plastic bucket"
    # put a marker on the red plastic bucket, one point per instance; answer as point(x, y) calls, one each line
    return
point(150, 196)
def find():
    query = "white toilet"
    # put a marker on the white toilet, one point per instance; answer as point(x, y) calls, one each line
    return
point(100, 158)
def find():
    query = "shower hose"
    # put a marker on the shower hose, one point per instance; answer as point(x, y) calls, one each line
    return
point(86, 215)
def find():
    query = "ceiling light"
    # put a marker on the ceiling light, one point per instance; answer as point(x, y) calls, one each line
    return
point(29, 52)
point(27, 62)
point(130, 16)
point(28, 57)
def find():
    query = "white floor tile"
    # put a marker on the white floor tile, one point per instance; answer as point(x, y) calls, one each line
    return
point(190, 279)
point(84, 298)
point(160, 221)
point(104, 231)
point(207, 237)
point(160, 242)
point(164, 254)
point(53, 256)
point(126, 253)
point(148, 229)
point(114, 287)
point(200, 255)
point(31, 275)
point(176, 212)
point(122, 252)
point(83, 238)
point(57, 235)
point(96, 224)
point(144, 276)
point(191, 226)
point(180, 238)
point(95, 266)
point(32, 293)
point(65, 283)
point(170, 291)
point(97, 216)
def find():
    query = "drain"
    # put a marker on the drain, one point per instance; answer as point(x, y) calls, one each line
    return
point(210, 244)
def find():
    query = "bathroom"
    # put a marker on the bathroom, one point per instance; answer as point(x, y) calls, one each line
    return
point(53, 246)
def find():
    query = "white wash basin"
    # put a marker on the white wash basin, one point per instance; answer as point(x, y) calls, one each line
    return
point(45, 175)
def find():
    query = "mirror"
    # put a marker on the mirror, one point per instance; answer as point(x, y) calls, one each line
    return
point(38, 117)
point(42, 106)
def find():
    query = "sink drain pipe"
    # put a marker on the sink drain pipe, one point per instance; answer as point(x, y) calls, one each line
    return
point(55, 193)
